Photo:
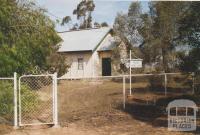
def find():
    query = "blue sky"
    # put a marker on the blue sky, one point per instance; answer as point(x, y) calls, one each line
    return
point(105, 10)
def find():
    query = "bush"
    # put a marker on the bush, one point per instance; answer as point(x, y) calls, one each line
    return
point(6, 99)
point(29, 99)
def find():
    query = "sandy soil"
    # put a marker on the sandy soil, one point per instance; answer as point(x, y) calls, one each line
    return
point(95, 108)
point(123, 127)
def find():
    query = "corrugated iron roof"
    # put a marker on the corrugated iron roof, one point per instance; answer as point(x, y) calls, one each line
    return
point(82, 40)
point(107, 45)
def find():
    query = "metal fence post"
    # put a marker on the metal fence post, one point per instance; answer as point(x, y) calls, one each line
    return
point(15, 101)
point(193, 82)
point(55, 101)
point(165, 84)
point(19, 99)
point(53, 96)
point(124, 92)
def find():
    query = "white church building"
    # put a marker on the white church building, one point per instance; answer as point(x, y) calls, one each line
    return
point(88, 52)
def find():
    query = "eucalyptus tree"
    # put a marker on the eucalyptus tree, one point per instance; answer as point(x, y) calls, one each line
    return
point(27, 38)
point(189, 31)
point(160, 33)
point(126, 26)
point(66, 20)
point(83, 12)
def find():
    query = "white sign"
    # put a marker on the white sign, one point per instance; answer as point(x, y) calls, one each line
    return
point(135, 63)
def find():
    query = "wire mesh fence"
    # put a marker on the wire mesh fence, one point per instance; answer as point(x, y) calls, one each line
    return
point(148, 88)
point(180, 84)
point(196, 80)
point(7, 101)
point(89, 99)
point(36, 99)
point(151, 94)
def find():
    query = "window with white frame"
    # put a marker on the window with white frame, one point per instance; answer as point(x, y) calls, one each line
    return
point(80, 64)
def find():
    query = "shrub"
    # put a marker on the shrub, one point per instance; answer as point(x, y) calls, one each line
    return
point(6, 99)
point(29, 99)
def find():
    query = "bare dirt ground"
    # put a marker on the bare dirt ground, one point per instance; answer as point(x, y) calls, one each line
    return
point(94, 107)
point(125, 126)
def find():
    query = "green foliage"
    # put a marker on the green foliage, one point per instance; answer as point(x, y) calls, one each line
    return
point(190, 62)
point(29, 99)
point(6, 99)
point(66, 20)
point(57, 64)
point(189, 25)
point(83, 12)
point(97, 25)
point(104, 24)
point(161, 32)
point(189, 35)
point(126, 26)
point(164, 28)
point(27, 37)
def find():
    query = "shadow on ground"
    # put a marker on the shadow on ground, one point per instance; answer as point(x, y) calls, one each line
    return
point(155, 114)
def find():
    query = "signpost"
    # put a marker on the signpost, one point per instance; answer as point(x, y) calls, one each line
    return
point(133, 63)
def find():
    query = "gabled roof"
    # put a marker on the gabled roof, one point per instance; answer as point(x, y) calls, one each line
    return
point(82, 40)
point(107, 45)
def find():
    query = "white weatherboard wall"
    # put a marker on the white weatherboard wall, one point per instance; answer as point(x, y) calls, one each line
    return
point(72, 59)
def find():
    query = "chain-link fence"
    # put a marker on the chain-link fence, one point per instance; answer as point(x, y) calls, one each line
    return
point(92, 100)
point(180, 84)
point(36, 99)
point(149, 95)
point(196, 80)
point(7, 101)
point(148, 88)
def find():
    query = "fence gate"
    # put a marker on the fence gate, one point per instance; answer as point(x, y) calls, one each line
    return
point(36, 99)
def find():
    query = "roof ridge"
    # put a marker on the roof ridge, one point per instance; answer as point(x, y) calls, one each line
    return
point(81, 29)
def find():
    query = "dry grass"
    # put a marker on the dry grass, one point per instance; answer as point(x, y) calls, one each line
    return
point(78, 99)
point(94, 107)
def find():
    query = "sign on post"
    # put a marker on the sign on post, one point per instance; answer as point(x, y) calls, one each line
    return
point(134, 63)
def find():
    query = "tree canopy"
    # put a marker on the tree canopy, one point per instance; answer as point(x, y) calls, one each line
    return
point(126, 26)
point(189, 34)
point(167, 26)
point(27, 38)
